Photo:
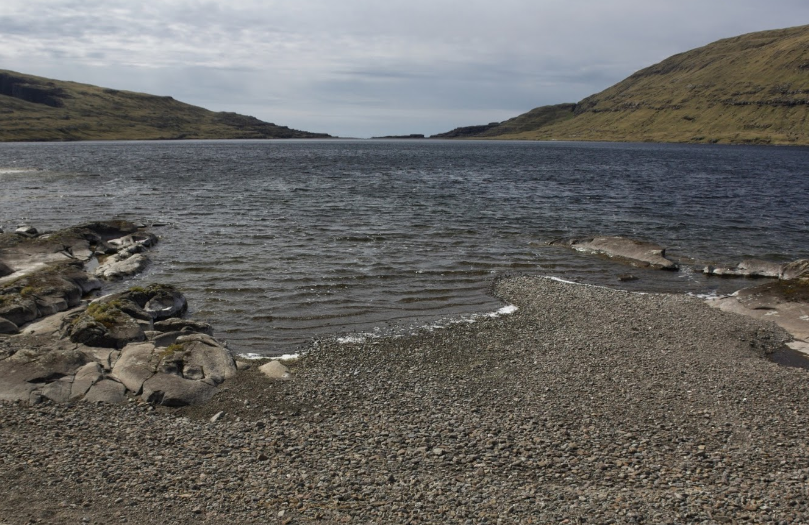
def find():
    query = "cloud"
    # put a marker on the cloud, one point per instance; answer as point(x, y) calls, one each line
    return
point(357, 66)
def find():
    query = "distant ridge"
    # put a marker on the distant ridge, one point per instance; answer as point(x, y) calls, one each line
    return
point(41, 109)
point(750, 89)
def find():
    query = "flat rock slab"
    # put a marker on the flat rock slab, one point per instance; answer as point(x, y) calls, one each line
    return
point(757, 268)
point(783, 302)
point(638, 253)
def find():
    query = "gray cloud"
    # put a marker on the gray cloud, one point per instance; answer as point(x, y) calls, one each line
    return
point(363, 67)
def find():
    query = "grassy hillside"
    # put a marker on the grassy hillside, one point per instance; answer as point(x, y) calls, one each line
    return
point(749, 89)
point(39, 109)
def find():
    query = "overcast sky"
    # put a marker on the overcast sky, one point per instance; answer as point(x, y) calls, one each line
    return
point(368, 67)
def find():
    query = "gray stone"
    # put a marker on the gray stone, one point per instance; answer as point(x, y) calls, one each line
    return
point(53, 324)
point(58, 391)
point(135, 366)
point(172, 390)
point(19, 310)
point(86, 282)
point(5, 270)
point(193, 372)
point(47, 306)
point(275, 370)
point(86, 377)
point(7, 327)
point(106, 391)
point(639, 253)
point(204, 356)
point(166, 303)
point(28, 369)
point(795, 270)
point(27, 231)
point(87, 330)
point(166, 339)
point(747, 268)
point(175, 325)
point(114, 269)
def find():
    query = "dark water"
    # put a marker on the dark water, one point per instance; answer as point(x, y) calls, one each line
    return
point(279, 242)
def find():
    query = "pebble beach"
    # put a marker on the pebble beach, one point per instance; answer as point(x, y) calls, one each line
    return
point(586, 405)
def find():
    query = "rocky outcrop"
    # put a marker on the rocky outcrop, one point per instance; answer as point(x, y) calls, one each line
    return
point(129, 259)
point(785, 302)
point(85, 363)
point(41, 275)
point(756, 268)
point(634, 252)
point(127, 344)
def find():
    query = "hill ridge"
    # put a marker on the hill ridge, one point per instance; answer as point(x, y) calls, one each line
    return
point(36, 108)
point(751, 88)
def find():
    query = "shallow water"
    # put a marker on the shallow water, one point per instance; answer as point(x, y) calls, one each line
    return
point(279, 242)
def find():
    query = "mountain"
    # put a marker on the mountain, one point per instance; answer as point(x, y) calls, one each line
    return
point(40, 109)
point(752, 88)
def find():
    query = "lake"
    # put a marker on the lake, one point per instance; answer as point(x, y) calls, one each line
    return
point(279, 242)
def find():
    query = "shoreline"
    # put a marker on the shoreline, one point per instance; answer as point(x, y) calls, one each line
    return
point(585, 403)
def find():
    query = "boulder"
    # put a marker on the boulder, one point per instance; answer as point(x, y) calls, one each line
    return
point(7, 327)
point(5, 270)
point(175, 324)
point(18, 309)
point(165, 304)
point(86, 376)
point(795, 270)
point(275, 370)
point(32, 369)
point(116, 269)
point(174, 391)
point(205, 359)
point(58, 391)
point(106, 391)
point(637, 253)
point(144, 239)
point(135, 366)
point(112, 229)
point(27, 231)
point(164, 339)
point(106, 326)
point(85, 282)
point(48, 305)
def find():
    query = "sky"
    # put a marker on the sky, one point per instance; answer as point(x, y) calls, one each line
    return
point(362, 68)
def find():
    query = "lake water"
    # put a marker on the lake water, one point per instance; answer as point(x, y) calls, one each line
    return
point(279, 242)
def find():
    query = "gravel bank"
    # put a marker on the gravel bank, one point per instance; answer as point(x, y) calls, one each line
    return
point(587, 405)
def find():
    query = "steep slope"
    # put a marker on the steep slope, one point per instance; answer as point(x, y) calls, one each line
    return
point(39, 109)
point(752, 88)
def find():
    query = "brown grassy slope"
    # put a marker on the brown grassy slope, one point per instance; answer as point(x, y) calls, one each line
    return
point(40, 109)
point(752, 88)
point(534, 119)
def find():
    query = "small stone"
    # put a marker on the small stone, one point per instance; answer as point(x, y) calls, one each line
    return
point(275, 370)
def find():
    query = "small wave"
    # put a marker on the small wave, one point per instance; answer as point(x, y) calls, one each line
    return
point(16, 171)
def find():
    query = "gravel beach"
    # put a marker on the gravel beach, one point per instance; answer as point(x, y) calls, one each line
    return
point(587, 405)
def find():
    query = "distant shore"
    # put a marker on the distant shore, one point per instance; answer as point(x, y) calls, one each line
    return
point(587, 403)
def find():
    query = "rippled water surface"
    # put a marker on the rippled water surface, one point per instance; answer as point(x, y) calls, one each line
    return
point(279, 242)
